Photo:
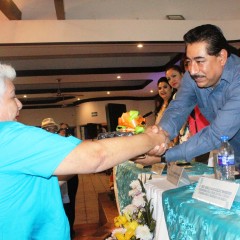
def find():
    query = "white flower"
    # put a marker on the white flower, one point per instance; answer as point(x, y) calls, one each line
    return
point(134, 192)
point(136, 185)
point(139, 200)
point(130, 209)
point(118, 230)
point(143, 233)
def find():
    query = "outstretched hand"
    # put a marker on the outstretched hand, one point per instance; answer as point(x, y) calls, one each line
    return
point(153, 156)
point(162, 145)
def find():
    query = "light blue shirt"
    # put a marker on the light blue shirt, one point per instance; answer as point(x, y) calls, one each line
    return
point(220, 106)
point(30, 199)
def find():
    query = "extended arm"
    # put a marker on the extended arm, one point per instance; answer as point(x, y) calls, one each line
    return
point(96, 156)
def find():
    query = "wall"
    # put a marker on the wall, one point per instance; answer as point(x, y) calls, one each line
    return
point(83, 111)
point(82, 114)
point(105, 30)
point(35, 116)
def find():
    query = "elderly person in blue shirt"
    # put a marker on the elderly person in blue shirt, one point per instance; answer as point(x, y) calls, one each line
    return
point(213, 83)
point(31, 159)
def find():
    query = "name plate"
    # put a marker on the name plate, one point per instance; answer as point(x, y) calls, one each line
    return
point(216, 192)
point(158, 168)
point(177, 176)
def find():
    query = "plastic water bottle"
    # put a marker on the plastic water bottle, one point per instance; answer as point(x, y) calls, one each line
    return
point(226, 160)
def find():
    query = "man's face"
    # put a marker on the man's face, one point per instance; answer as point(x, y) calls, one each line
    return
point(205, 69)
point(9, 104)
point(63, 130)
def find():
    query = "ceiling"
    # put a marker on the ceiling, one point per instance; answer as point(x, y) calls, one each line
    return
point(66, 74)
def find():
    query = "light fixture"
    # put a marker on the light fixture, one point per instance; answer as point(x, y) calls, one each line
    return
point(175, 17)
point(140, 45)
point(108, 93)
point(151, 91)
point(118, 77)
point(24, 96)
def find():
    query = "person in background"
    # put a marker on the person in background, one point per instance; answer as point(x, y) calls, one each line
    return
point(32, 158)
point(213, 83)
point(174, 76)
point(72, 185)
point(166, 93)
point(49, 125)
point(64, 130)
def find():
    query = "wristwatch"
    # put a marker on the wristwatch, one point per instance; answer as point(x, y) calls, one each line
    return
point(163, 158)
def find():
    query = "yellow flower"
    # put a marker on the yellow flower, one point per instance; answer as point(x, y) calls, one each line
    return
point(127, 216)
point(119, 236)
point(117, 224)
point(129, 233)
point(133, 225)
point(122, 219)
point(126, 225)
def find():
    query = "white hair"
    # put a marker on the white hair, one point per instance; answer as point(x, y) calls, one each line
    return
point(7, 72)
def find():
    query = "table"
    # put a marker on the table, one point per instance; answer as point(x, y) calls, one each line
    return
point(177, 214)
point(188, 218)
point(125, 173)
point(155, 189)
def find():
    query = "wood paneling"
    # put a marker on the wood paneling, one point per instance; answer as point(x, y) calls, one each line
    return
point(10, 10)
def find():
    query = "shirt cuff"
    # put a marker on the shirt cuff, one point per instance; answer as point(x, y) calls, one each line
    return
point(174, 154)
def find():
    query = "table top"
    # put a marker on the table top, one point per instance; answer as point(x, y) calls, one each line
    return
point(128, 171)
point(188, 218)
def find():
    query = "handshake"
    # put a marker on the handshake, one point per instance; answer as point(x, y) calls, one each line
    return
point(154, 155)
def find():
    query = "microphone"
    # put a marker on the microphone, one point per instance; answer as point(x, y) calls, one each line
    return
point(147, 114)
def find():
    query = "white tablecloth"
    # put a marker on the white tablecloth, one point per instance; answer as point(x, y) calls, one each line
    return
point(154, 189)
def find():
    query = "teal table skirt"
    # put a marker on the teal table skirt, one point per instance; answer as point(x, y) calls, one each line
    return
point(187, 218)
point(127, 172)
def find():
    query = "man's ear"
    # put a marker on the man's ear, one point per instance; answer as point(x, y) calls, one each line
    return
point(223, 55)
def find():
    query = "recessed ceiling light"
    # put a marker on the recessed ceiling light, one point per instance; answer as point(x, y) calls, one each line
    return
point(118, 77)
point(175, 17)
point(25, 96)
point(108, 93)
point(140, 45)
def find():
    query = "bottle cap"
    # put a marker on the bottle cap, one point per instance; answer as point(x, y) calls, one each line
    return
point(224, 138)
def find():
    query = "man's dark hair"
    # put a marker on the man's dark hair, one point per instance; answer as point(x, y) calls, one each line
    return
point(212, 35)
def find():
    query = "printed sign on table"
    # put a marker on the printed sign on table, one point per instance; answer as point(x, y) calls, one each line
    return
point(216, 192)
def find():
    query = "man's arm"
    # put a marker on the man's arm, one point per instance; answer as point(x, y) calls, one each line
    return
point(96, 156)
point(179, 108)
point(225, 110)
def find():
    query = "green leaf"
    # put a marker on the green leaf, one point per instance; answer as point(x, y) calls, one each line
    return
point(133, 114)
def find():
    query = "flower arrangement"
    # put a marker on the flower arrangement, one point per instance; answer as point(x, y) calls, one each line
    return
point(131, 122)
point(136, 221)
